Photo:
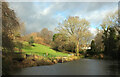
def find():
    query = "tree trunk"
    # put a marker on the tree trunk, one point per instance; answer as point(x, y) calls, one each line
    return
point(77, 49)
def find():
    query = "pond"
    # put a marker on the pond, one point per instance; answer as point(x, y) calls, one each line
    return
point(79, 67)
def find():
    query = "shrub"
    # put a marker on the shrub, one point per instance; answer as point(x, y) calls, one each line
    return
point(31, 41)
point(19, 45)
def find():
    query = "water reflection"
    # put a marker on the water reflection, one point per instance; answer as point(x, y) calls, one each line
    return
point(79, 67)
point(114, 68)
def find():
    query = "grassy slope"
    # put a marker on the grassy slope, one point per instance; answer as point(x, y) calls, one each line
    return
point(41, 50)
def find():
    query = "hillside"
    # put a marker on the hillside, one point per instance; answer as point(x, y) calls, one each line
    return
point(41, 50)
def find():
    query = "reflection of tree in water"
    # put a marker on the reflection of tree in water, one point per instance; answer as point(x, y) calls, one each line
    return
point(114, 68)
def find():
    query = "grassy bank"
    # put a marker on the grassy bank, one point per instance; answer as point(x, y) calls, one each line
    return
point(40, 50)
point(38, 54)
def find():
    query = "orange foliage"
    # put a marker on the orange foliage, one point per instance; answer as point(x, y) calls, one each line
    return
point(37, 39)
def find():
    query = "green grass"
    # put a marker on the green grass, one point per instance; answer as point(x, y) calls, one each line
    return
point(41, 50)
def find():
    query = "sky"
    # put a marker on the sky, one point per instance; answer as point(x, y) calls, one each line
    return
point(39, 15)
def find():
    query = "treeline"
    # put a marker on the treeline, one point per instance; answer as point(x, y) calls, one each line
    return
point(43, 37)
point(107, 39)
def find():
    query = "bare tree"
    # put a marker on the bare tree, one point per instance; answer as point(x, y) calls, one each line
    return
point(76, 30)
point(46, 35)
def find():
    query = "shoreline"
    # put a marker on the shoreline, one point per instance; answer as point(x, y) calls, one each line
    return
point(35, 60)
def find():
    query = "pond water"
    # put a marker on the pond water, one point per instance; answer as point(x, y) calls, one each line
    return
point(79, 67)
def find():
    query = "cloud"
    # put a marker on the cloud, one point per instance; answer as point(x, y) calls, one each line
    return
point(97, 17)
point(38, 15)
point(93, 31)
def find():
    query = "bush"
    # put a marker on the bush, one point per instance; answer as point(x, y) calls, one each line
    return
point(31, 41)
point(70, 47)
point(81, 52)
point(19, 45)
point(61, 43)
point(90, 52)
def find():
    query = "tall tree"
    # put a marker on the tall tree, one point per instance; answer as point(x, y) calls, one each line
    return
point(76, 30)
point(112, 41)
point(109, 33)
point(99, 45)
point(10, 25)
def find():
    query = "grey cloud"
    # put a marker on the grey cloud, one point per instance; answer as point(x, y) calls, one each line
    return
point(35, 20)
point(92, 6)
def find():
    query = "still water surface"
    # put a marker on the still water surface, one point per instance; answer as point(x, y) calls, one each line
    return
point(79, 67)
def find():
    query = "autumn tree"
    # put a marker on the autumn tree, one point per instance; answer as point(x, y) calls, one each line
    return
point(22, 30)
point(10, 25)
point(46, 35)
point(76, 30)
